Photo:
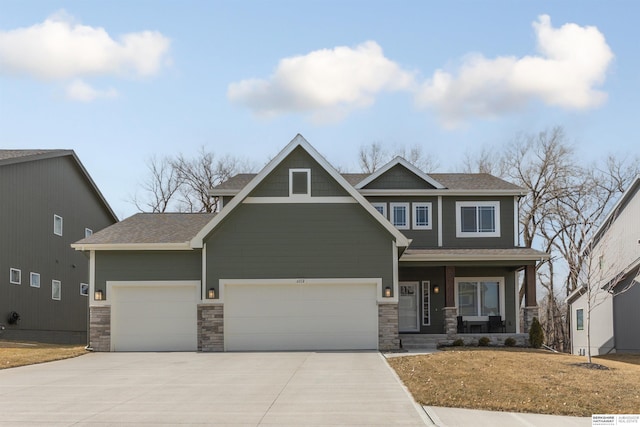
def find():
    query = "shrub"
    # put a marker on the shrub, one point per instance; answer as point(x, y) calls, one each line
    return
point(458, 343)
point(536, 335)
point(509, 342)
point(484, 342)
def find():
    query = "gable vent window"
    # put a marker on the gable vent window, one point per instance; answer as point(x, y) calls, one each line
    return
point(299, 182)
point(57, 225)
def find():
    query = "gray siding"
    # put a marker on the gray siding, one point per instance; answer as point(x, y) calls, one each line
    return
point(147, 265)
point(30, 194)
point(299, 241)
point(506, 239)
point(276, 184)
point(398, 177)
point(420, 238)
point(626, 318)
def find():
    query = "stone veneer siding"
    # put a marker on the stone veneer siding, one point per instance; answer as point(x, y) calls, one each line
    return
point(388, 338)
point(528, 313)
point(210, 327)
point(451, 321)
point(100, 328)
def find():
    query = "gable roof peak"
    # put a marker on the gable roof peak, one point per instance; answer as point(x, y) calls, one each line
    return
point(399, 160)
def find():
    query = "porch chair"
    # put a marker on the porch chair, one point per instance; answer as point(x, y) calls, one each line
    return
point(496, 324)
point(462, 325)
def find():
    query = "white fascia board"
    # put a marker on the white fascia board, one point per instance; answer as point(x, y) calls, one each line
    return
point(465, 257)
point(225, 192)
point(441, 192)
point(398, 161)
point(132, 246)
point(299, 140)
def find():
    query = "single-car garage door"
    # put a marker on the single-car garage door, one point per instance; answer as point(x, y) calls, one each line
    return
point(300, 316)
point(154, 317)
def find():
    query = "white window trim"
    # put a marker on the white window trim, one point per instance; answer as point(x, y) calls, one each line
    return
point(426, 290)
point(414, 207)
point(55, 218)
point(11, 271)
point(86, 286)
point(31, 276)
point(392, 216)
point(308, 172)
point(460, 233)
point(59, 283)
point(583, 322)
point(88, 232)
point(382, 205)
point(501, 292)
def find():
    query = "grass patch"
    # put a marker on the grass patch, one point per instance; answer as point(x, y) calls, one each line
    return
point(14, 354)
point(522, 380)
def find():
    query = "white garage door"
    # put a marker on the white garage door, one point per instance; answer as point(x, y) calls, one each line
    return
point(337, 316)
point(154, 318)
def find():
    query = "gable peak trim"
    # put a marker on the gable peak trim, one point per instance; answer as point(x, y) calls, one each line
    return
point(399, 160)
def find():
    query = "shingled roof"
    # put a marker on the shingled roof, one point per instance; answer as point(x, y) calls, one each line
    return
point(14, 156)
point(150, 228)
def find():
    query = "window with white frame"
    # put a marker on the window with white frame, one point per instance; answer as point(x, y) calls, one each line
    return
point(478, 219)
point(480, 298)
point(399, 215)
point(57, 225)
point(580, 319)
point(84, 289)
point(88, 232)
point(34, 280)
point(421, 216)
point(56, 290)
point(299, 182)
point(15, 276)
point(380, 207)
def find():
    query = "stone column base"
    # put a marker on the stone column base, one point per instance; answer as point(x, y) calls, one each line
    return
point(100, 328)
point(388, 337)
point(528, 313)
point(210, 327)
point(450, 321)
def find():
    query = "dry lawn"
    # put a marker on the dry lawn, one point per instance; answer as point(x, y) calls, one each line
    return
point(521, 380)
point(14, 354)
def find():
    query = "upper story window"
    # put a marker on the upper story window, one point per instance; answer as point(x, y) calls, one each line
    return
point(399, 215)
point(56, 290)
point(88, 232)
point(421, 216)
point(380, 207)
point(15, 276)
point(477, 219)
point(299, 182)
point(35, 280)
point(57, 225)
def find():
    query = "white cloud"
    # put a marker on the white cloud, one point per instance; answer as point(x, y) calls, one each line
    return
point(572, 62)
point(61, 49)
point(327, 83)
point(78, 90)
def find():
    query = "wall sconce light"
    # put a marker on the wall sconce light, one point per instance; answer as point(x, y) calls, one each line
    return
point(211, 293)
point(387, 292)
point(436, 289)
point(98, 295)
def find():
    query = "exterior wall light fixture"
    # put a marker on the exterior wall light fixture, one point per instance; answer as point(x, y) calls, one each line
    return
point(211, 293)
point(98, 295)
point(436, 289)
point(387, 292)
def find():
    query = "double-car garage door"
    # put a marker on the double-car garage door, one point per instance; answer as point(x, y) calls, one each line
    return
point(258, 316)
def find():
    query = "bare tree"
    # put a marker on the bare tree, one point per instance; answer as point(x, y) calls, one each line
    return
point(417, 157)
point(159, 187)
point(371, 157)
point(374, 155)
point(487, 160)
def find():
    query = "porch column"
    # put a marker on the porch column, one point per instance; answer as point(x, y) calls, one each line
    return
point(450, 311)
point(530, 302)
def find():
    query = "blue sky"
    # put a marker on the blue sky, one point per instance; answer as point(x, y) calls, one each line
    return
point(120, 81)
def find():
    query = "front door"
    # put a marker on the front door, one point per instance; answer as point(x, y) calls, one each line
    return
point(408, 307)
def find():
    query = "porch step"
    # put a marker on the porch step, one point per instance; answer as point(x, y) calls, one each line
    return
point(418, 341)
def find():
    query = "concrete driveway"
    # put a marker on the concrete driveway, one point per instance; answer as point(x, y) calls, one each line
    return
point(238, 389)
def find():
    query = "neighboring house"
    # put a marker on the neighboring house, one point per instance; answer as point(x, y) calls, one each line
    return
point(47, 201)
point(301, 257)
point(613, 272)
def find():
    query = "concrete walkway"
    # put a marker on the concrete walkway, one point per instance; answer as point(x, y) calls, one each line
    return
point(238, 389)
point(454, 417)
